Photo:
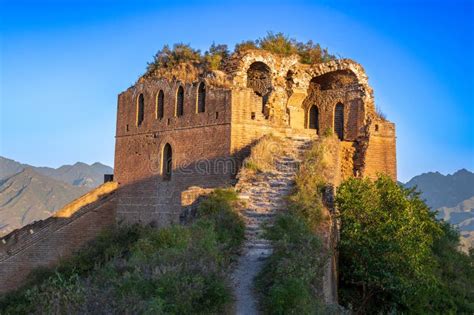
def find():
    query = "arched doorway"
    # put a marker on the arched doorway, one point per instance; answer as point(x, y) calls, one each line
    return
point(313, 119)
point(167, 162)
point(339, 121)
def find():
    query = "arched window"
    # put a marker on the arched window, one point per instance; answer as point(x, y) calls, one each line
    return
point(167, 162)
point(313, 122)
point(160, 99)
point(180, 102)
point(140, 109)
point(201, 99)
point(339, 121)
point(259, 79)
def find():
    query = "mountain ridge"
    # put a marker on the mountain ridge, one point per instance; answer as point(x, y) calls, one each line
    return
point(452, 197)
point(28, 196)
point(29, 193)
point(78, 174)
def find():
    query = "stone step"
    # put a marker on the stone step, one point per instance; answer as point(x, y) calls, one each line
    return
point(258, 246)
point(254, 214)
point(256, 227)
point(259, 252)
point(282, 184)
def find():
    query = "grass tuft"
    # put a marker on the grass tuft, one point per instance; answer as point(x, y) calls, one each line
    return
point(263, 154)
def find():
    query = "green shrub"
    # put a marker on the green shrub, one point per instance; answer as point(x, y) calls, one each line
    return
point(216, 56)
point(246, 45)
point(395, 257)
point(167, 58)
point(289, 283)
point(310, 53)
point(230, 228)
point(278, 43)
point(283, 45)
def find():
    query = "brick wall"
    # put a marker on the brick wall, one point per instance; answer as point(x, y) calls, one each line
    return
point(380, 155)
point(200, 144)
point(44, 243)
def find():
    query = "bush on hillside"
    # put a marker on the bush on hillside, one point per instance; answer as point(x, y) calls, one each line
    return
point(289, 282)
point(394, 256)
point(174, 270)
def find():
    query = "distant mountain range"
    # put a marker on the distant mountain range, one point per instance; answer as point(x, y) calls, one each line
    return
point(29, 193)
point(452, 196)
point(79, 174)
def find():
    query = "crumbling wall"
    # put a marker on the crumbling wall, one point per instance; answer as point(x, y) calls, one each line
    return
point(380, 153)
point(326, 101)
point(45, 243)
point(200, 143)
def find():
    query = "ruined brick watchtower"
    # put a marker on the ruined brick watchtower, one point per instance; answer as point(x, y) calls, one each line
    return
point(189, 126)
point(185, 126)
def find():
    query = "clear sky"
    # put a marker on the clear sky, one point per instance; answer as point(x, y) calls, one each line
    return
point(62, 64)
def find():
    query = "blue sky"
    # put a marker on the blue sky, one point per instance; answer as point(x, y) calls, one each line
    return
point(62, 64)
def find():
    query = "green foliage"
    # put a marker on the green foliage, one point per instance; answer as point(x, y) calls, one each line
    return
point(306, 201)
point(167, 58)
point(313, 53)
point(278, 43)
point(290, 280)
point(283, 45)
point(455, 293)
point(252, 166)
point(216, 56)
point(246, 45)
point(392, 252)
point(174, 270)
point(229, 227)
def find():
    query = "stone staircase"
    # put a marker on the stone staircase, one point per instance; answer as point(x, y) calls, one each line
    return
point(264, 197)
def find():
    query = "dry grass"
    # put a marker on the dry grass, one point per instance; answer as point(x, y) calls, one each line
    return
point(316, 171)
point(263, 154)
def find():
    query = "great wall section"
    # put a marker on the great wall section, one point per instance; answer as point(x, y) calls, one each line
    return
point(181, 133)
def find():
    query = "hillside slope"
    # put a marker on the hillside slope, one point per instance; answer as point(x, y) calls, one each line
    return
point(29, 196)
